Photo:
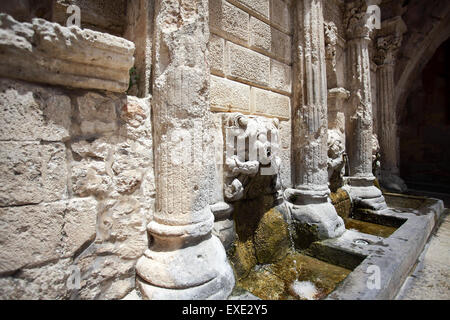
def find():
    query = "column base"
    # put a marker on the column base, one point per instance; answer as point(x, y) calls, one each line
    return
point(392, 182)
point(224, 228)
point(195, 272)
point(364, 194)
point(314, 214)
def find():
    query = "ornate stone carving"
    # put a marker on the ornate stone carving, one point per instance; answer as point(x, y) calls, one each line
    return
point(252, 162)
point(387, 48)
point(336, 151)
point(355, 20)
point(330, 40)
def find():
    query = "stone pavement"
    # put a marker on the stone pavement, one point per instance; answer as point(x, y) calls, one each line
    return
point(431, 278)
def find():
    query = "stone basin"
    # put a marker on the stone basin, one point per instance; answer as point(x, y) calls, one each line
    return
point(347, 267)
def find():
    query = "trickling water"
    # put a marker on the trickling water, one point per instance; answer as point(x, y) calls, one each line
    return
point(304, 290)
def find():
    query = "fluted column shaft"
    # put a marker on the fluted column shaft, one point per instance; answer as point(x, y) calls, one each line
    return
point(388, 44)
point(309, 201)
point(388, 116)
point(184, 261)
point(310, 122)
point(359, 124)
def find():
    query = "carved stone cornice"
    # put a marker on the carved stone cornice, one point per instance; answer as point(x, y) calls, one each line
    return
point(47, 52)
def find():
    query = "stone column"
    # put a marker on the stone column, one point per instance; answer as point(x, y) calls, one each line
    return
point(184, 260)
point(359, 124)
point(388, 44)
point(309, 201)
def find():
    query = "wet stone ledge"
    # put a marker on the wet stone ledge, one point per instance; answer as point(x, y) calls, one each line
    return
point(49, 53)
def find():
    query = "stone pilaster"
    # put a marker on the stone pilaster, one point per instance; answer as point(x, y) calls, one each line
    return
point(184, 260)
point(359, 124)
point(388, 44)
point(309, 201)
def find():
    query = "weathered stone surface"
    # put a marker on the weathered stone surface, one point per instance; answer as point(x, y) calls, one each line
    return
point(280, 76)
point(30, 112)
point(247, 65)
point(270, 103)
point(260, 7)
point(260, 36)
point(89, 177)
point(280, 15)
point(47, 282)
point(32, 172)
point(51, 231)
point(281, 45)
point(80, 222)
point(121, 228)
point(217, 54)
point(135, 120)
point(226, 18)
point(228, 95)
point(66, 56)
point(38, 226)
point(115, 274)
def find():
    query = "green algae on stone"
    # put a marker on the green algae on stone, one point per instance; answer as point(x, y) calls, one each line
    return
point(242, 258)
point(369, 228)
point(341, 201)
point(274, 281)
point(304, 234)
point(262, 234)
point(271, 237)
point(264, 285)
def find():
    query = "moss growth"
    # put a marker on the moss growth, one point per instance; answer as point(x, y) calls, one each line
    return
point(341, 201)
point(304, 235)
point(369, 228)
point(262, 235)
point(271, 237)
point(265, 285)
point(242, 257)
point(273, 282)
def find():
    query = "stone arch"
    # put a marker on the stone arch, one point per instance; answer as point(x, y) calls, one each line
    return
point(410, 68)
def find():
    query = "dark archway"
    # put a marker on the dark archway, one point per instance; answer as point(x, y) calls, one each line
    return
point(425, 127)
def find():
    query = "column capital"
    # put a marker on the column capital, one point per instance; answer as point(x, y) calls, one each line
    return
point(389, 41)
point(356, 19)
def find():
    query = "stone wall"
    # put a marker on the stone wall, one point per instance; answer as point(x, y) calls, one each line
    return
point(77, 189)
point(251, 63)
